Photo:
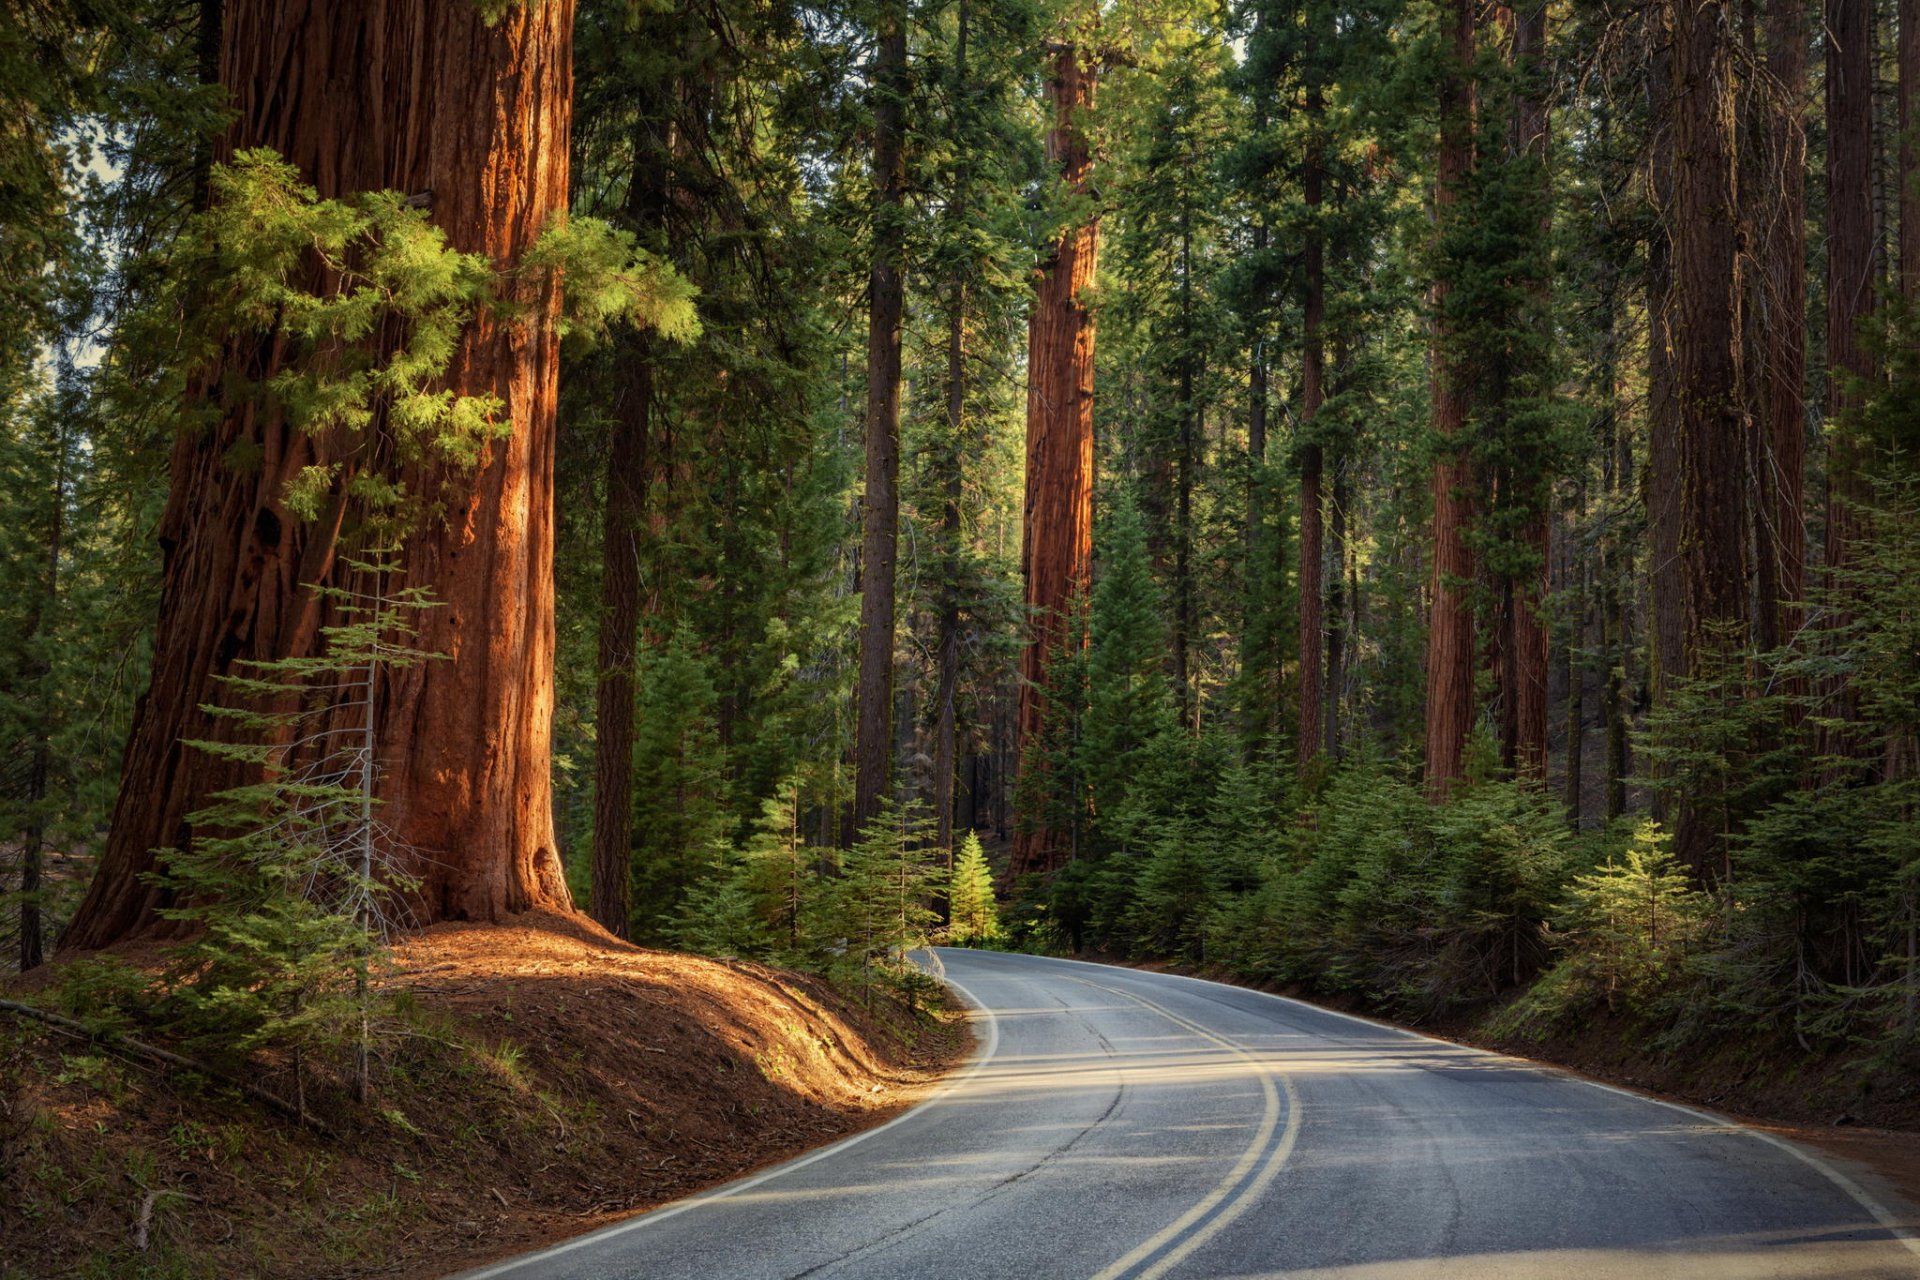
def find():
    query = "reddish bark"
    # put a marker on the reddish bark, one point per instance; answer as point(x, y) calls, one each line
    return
point(1450, 617)
point(880, 506)
point(420, 96)
point(1057, 543)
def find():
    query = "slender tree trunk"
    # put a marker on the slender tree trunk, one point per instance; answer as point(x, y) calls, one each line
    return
point(1850, 253)
point(945, 726)
point(627, 483)
point(1576, 667)
point(1783, 328)
point(1313, 638)
point(1057, 531)
point(629, 474)
point(880, 507)
point(1529, 646)
point(1908, 168)
point(1615, 566)
point(474, 117)
point(1450, 625)
point(1184, 467)
point(1337, 600)
point(39, 766)
point(1667, 581)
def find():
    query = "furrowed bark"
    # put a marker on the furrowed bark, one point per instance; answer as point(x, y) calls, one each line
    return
point(1450, 620)
point(419, 96)
point(1057, 541)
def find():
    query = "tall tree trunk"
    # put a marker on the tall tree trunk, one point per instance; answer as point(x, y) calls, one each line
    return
point(40, 764)
point(1057, 532)
point(420, 96)
point(1706, 344)
point(1850, 251)
point(945, 721)
point(1336, 607)
point(1908, 168)
point(880, 507)
point(629, 473)
point(1528, 644)
point(1783, 329)
point(1576, 668)
point(627, 484)
point(1662, 479)
point(1185, 465)
point(1450, 623)
point(1313, 551)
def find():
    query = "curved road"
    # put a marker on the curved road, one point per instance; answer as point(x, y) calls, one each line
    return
point(1119, 1124)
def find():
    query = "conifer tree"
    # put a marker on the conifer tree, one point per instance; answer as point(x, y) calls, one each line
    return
point(973, 918)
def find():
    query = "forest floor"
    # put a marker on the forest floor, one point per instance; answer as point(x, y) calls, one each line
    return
point(1819, 1100)
point(542, 1079)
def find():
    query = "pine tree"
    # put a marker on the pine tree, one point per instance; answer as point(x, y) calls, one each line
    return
point(973, 918)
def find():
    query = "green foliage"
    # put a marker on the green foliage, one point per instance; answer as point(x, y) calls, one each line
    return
point(292, 882)
point(875, 909)
point(680, 787)
point(973, 917)
point(1631, 923)
point(606, 277)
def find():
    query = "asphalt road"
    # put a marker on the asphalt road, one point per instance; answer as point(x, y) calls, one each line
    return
point(1124, 1124)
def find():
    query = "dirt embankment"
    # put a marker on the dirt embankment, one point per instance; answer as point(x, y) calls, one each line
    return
point(544, 1078)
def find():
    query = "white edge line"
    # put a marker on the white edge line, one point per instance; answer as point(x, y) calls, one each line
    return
point(981, 1058)
point(1879, 1211)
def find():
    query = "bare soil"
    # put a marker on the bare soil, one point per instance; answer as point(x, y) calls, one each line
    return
point(545, 1079)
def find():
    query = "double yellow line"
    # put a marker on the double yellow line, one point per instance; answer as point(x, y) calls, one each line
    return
point(1222, 1205)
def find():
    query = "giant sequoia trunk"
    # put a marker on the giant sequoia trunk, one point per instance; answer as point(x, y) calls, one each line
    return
point(1450, 618)
point(1056, 551)
point(880, 507)
point(425, 97)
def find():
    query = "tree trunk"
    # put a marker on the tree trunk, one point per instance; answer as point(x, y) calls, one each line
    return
point(1313, 627)
point(1528, 644)
point(420, 96)
point(1850, 248)
point(629, 477)
point(880, 507)
point(1336, 606)
point(945, 727)
point(1057, 540)
point(1908, 168)
point(1450, 625)
point(627, 483)
point(1783, 329)
point(1706, 342)
point(1667, 581)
